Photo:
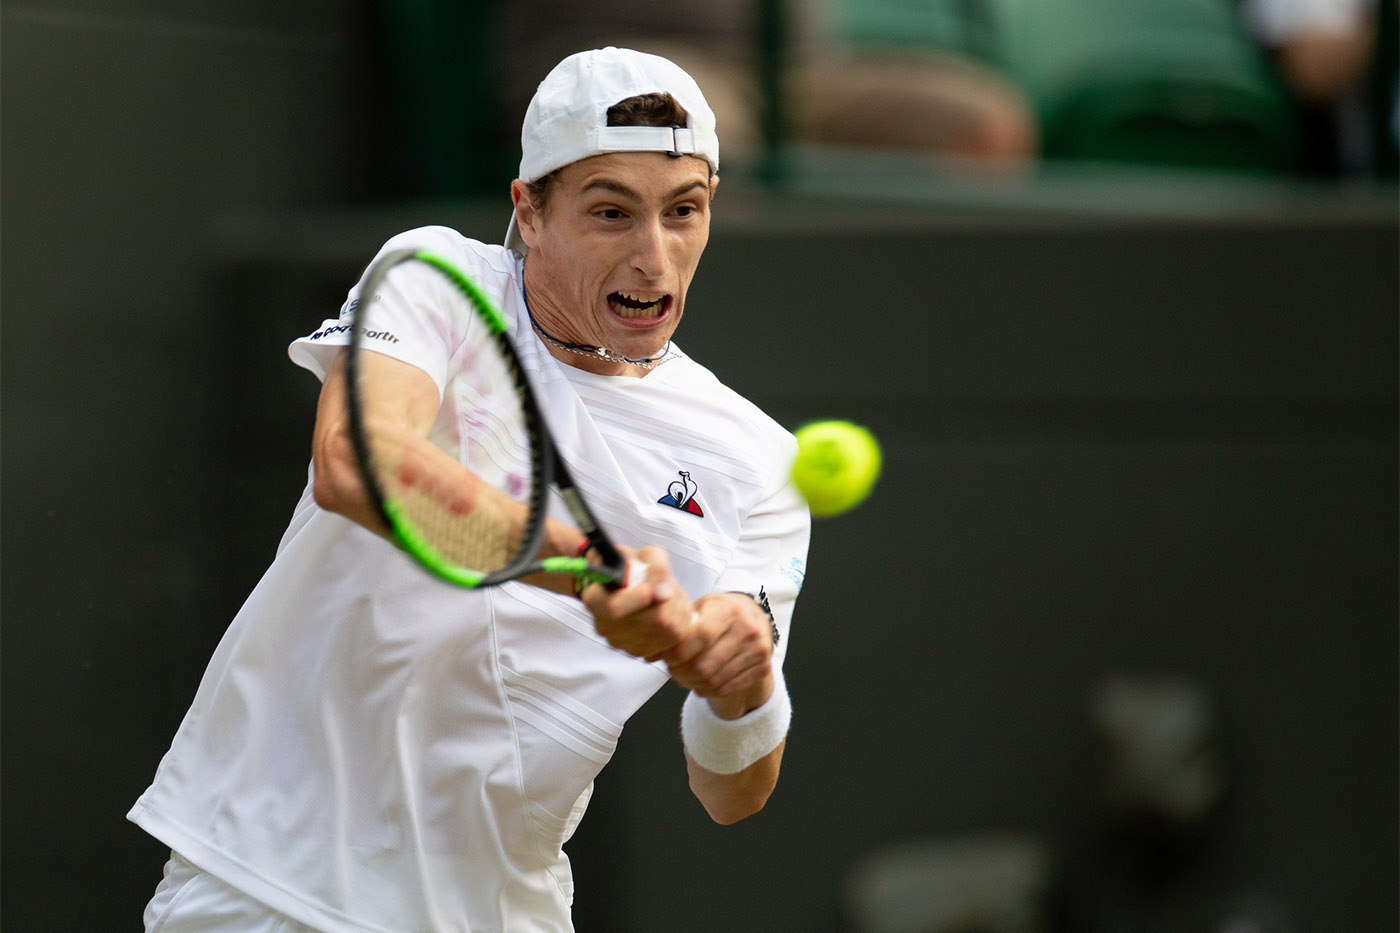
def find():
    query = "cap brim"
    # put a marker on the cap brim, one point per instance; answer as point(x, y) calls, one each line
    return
point(513, 238)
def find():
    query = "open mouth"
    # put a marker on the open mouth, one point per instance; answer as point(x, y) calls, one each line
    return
point(639, 304)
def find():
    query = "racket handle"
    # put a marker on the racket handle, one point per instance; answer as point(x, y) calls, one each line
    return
point(635, 572)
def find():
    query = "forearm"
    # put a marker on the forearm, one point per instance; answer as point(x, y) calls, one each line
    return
point(734, 748)
point(734, 721)
point(406, 406)
point(398, 419)
point(729, 798)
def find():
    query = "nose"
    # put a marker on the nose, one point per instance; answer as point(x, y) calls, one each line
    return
point(649, 254)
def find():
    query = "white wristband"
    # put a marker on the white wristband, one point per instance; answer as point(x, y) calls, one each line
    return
point(728, 746)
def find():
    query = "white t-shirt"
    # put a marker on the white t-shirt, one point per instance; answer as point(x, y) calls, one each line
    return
point(373, 749)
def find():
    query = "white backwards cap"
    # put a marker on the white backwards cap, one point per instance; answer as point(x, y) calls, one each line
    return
point(567, 119)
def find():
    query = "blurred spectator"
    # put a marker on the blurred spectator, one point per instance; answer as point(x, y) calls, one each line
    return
point(835, 93)
point(1339, 64)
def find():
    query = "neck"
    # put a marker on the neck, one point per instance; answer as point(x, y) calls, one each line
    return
point(591, 357)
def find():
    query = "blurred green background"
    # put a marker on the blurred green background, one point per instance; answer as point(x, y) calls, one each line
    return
point(1139, 405)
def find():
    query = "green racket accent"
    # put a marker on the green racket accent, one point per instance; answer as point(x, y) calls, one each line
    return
point(578, 567)
point(405, 533)
point(430, 557)
point(402, 510)
point(433, 560)
point(493, 318)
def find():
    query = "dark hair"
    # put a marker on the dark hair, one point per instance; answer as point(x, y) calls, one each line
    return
point(643, 110)
point(648, 110)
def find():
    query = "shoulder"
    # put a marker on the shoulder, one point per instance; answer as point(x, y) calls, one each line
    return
point(480, 260)
point(687, 375)
point(715, 408)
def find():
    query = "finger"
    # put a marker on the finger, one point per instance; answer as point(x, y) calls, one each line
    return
point(706, 629)
point(723, 619)
point(634, 621)
point(606, 603)
point(706, 678)
point(729, 681)
point(717, 663)
point(743, 679)
point(658, 588)
point(712, 665)
point(658, 572)
point(648, 566)
point(666, 653)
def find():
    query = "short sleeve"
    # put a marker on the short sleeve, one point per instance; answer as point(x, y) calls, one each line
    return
point(417, 317)
point(770, 561)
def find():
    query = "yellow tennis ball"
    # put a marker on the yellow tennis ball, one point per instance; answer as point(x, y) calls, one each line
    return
point(837, 465)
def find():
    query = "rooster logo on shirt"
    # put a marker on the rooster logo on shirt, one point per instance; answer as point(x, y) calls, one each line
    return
point(681, 495)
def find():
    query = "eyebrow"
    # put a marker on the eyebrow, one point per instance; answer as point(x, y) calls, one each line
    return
point(618, 188)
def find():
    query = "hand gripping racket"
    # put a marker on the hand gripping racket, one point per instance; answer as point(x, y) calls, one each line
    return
point(438, 511)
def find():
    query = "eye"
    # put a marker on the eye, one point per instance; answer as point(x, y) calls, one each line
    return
point(609, 213)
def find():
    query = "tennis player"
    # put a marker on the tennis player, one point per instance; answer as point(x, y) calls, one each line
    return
point(374, 750)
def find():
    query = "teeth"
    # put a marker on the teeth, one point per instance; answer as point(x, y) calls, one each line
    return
point(636, 304)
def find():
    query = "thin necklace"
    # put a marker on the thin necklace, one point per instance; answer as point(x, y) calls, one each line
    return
point(588, 349)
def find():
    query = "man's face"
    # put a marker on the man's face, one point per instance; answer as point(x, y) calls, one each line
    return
point(613, 252)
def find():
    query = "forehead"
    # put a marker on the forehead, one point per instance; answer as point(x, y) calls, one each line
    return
point(645, 174)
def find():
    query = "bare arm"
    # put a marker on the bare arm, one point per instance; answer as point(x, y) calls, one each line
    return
point(721, 648)
point(729, 798)
point(407, 397)
point(400, 413)
point(728, 660)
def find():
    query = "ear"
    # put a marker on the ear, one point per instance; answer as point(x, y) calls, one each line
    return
point(527, 217)
point(714, 186)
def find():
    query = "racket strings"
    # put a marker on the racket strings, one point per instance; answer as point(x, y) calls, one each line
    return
point(438, 505)
point(468, 499)
point(478, 539)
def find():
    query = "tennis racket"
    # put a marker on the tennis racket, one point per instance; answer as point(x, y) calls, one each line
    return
point(483, 523)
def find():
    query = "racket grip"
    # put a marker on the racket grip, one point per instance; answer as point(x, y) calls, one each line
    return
point(634, 572)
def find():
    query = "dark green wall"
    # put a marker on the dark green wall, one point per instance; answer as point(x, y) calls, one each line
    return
point(1128, 430)
point(133, 131)
point(1112, 449)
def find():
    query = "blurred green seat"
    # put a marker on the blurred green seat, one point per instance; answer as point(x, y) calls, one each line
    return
point(1149, 82)
point(962, 26)
point(1163, 82)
